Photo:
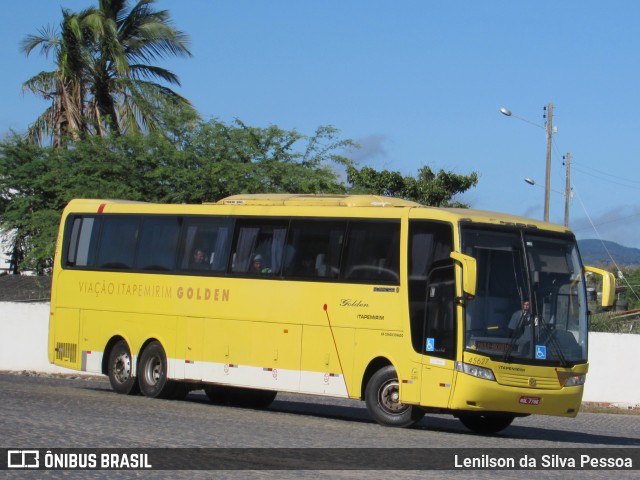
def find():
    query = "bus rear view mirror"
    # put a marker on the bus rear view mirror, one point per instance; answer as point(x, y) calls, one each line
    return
point(608, 285)
point(469, 273)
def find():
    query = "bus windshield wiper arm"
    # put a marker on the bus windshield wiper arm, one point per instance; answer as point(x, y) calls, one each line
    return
point(513, 338)
point(545, 328)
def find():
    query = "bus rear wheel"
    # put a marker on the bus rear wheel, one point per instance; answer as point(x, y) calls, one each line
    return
point(486, 424)
point(382, 397)
point(152, 372)
point(120, 369)
point(240, 397)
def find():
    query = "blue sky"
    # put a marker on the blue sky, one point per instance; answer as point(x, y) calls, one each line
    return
point(415, 83)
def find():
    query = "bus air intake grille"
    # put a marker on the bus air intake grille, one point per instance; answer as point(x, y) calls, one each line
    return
point(527, 381)
point(66, 352)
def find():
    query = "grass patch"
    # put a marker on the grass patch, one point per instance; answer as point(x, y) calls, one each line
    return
point(602, 322)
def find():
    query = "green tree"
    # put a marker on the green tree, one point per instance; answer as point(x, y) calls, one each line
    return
point(629, 286)
point(427, 188)
point(196, 162)
point(30, 207)
point(104, 79)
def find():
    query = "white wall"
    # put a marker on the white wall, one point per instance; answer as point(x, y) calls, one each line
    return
point(24, 331)
point(613, 371)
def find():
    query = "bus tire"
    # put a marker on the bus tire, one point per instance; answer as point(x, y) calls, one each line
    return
point(382, 395)
point(255, 398)
point(239, 397)
point(217, 394)
point(152, 373)
point(120, 369)
point(486, 424)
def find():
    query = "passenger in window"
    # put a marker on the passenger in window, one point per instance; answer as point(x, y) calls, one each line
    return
point(198, 260)
point(258, 267)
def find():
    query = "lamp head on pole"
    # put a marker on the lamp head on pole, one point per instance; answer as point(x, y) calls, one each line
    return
point(530, 181)
point(505, 111)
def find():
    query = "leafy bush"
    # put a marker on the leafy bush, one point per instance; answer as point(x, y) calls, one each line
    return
point(606, 322)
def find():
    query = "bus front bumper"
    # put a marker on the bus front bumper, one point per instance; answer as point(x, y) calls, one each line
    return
point(478, 395)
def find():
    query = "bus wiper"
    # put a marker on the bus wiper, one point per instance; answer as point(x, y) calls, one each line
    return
point(514, 335)
point(546, 329)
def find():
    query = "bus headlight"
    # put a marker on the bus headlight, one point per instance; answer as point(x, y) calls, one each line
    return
point(572, 380)
point(475, 371)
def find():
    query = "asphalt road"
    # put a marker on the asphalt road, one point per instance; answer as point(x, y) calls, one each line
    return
point(45, 412)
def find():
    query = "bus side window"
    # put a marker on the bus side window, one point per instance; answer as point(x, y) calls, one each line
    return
point(205, 244)
point(429, 242)
point(259, 247)
point(440, 321)
point(243, 249)
point(158, 243)
point(81, 247)
point(118, 242)
point(372, 252)
point(313, 248)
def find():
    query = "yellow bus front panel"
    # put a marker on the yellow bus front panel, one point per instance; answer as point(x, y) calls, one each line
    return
point(479, 395)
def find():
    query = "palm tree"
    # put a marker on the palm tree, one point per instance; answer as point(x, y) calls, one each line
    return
point(63, 86)
point(104, 80)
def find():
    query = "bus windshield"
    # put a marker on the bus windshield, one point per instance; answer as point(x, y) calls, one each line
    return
point(531, 304)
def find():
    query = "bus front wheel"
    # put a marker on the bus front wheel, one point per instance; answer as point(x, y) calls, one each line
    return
point(152, 372)
point(382, 397)
point(486, 424)
point(120, 370)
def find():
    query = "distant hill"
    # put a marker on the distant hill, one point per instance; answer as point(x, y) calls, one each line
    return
point(593, 253)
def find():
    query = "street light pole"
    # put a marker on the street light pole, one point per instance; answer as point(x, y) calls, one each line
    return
point(567, 189)
point(549, 128)
point(547, 183)
point(566, 194)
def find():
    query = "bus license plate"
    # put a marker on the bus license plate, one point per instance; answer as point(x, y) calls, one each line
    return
point(530, 400)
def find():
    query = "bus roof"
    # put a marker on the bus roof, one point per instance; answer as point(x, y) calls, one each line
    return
point(288, 199)
point(462, 214)
point(327, 201)
point(499, 218)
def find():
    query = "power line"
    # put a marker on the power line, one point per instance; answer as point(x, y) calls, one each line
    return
point(605, 173)
point(605, 179)
point(620, 275)
point(608, 221)
point(588, 170)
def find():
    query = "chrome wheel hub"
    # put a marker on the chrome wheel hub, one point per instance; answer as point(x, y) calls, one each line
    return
point(389, 398)
point(122, 368)
point(153, 371)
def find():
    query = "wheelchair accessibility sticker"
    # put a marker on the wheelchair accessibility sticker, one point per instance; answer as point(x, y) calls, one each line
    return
point(541, 352)
point(431, 344)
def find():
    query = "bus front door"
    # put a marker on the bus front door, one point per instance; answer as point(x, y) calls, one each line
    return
point(439, 339)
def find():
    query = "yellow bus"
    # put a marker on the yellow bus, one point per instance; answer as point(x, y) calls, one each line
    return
point(412, 309)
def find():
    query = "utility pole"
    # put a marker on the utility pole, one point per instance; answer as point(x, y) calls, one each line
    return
point(547, 183)
point(567, 189)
